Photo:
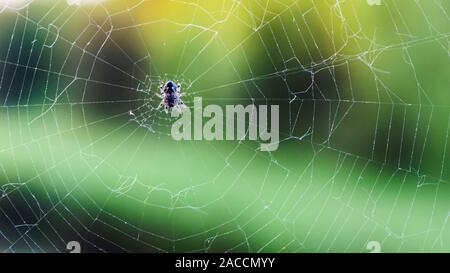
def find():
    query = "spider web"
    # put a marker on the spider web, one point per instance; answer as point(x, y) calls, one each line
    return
point(86, 155)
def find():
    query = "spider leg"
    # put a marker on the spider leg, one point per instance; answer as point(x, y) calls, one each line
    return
point(160, 104)
point(181, 106)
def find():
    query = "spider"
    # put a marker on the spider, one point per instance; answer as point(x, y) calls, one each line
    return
point(170, 94)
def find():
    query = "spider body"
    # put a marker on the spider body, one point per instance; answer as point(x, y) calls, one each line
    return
point(170, 95)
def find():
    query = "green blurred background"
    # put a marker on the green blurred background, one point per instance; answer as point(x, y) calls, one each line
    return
point(365, 113)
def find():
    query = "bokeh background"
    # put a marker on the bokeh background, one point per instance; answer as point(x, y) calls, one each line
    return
point(364, 154)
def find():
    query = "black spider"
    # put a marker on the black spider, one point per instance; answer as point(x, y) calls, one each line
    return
point(170, 95)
